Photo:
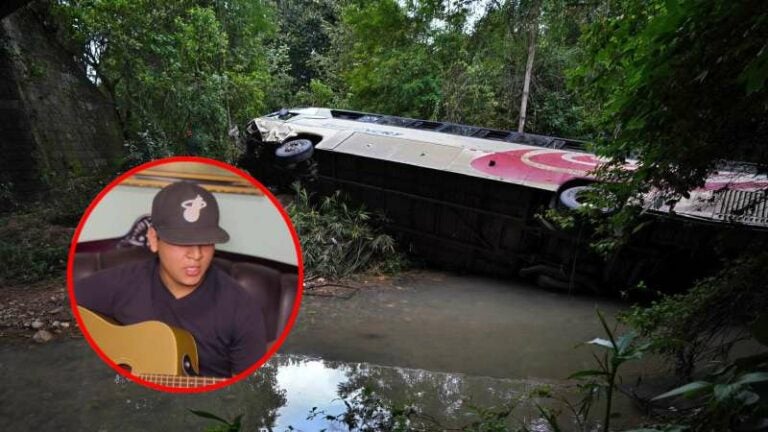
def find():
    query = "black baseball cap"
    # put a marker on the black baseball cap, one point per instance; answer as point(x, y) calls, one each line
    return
point(184, 213)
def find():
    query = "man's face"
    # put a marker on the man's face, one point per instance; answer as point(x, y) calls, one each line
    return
point(182, 268)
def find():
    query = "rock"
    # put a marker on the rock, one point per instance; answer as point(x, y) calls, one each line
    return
point(64, 324)
point(42, 336)
point(55, 311)
point(36, 324)
point(56, 324)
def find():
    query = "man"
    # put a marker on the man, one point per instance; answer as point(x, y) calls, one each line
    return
point(180, 287)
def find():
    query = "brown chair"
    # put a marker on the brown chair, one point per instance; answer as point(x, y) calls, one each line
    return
point(276, 291)
point(289, 287)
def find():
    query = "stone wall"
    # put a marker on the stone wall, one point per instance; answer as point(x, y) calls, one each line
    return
point(54, 122)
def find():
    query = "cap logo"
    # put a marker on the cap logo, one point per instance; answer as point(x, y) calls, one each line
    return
point(192, 208)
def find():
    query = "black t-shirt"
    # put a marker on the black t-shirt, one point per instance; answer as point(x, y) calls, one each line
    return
point(226, 322)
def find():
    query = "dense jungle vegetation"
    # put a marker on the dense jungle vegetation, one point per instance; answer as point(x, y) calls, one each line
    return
point(678, 84)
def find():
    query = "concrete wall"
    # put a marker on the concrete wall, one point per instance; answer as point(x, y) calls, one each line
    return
point(54, 123)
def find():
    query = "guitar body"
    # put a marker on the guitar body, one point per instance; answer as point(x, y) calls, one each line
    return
point(149, 347)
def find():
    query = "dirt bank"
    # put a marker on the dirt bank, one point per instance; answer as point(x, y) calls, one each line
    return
point(37, 312)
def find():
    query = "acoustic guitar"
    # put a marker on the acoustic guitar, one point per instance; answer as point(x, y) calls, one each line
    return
point(150, 350)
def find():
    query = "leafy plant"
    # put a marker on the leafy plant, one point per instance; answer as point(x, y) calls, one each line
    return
point(731, 397)
point(189, 69)
point(367, 411)
point(31, 248)
point(706, 321)
point(35, 236)
point(677, 86)
point(225, 426)
point(69, 197)
point(7, 198)
point(338, 240)
point(728, 399)
point(602, 381)
point(146, 146)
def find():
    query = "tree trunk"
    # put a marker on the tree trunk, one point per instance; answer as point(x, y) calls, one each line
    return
point(534, 28)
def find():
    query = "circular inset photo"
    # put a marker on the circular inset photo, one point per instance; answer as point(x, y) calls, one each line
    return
point(184, 274)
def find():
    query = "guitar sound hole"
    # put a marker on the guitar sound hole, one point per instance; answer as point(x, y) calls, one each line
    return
point(186, 365)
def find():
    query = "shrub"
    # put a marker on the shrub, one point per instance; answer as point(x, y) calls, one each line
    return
point(68, 199)
point(35, 237)
point(338, 240)
point(31, 249)
point(706, 321)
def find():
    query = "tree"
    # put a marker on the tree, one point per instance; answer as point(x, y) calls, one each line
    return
point(383, 58)
point(533, 30)
point(180, 72)
point(681, 85)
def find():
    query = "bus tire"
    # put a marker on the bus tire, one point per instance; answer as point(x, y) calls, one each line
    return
point(568, 198)
point(294, 151)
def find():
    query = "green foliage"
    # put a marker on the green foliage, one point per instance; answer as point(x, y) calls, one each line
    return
point(304, 32)
point(733, 397)
point(147, 146)
point(317, 94)
point(35, 237)
point(182, 72)
point(491, 419)
point(392, 74)
point(69, 197)
point(32, 249)
point(680, 85)
point(662, 428)
point(706, 321)
point(7, 197)
point(338, 240)
point(367, 411)
point(179, 71)
point(225, 426)
point(427, 59)
point(602, 381)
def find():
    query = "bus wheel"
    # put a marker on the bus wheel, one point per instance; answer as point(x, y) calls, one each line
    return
point(575, 197)
point(294, 151)
point(572, 198)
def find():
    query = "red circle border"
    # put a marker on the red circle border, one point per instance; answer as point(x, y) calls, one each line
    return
point(296, 304)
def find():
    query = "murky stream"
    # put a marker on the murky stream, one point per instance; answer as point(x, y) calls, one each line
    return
point(445, 322)
point(62, 386)
point(441, 343)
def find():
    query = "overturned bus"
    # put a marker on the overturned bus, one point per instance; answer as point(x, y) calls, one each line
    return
point(471, 198)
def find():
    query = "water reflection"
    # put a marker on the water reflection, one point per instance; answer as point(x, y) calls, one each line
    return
point(307, 383)
point(336, 388)
point(61, 386)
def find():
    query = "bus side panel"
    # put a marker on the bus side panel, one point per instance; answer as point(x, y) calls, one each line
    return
point(447, 219)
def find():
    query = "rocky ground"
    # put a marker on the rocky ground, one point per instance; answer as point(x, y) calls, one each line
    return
point(41, 312)
point(38, 312)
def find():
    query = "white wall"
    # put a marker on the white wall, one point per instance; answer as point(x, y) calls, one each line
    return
point(254, 225)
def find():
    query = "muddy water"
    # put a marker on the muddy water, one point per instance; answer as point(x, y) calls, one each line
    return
point(440, 342)
point(450, 323)
point(63, 386)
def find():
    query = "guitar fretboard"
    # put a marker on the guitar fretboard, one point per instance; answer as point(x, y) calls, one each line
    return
point(180, 381)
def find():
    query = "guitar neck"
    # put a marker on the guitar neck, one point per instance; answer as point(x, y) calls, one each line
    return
point(180, 381)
